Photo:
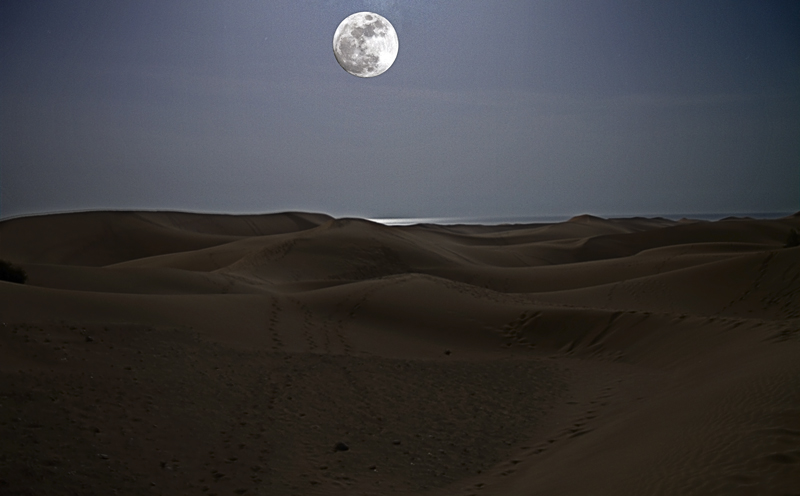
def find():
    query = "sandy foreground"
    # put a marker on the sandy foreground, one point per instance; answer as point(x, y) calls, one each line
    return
point(175, 353)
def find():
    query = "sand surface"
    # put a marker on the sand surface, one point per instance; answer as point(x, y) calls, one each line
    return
point(174, 353)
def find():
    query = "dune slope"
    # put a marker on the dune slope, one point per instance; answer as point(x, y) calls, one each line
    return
point(173, 353)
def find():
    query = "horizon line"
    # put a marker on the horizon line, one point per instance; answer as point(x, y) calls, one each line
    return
point(405, 220)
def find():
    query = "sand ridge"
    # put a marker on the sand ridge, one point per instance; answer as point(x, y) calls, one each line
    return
point(175, 353)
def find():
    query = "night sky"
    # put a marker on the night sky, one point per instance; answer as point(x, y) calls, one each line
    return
point(492, 108)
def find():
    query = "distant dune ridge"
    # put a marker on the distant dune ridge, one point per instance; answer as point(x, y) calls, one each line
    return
point(178, 353)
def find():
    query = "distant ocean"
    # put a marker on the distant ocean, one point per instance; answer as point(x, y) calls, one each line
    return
point(550, 219)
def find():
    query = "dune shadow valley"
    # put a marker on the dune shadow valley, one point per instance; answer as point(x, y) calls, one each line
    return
point(172, 353)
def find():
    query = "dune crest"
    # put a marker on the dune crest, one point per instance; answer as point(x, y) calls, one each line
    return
point(296, 353)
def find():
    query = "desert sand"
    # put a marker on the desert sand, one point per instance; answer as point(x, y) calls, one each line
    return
point(298, 354)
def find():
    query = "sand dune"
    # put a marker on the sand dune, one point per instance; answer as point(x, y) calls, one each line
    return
point(174, 353)
point(103, 238)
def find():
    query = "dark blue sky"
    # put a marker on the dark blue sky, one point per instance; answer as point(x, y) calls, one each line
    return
point(502, 108)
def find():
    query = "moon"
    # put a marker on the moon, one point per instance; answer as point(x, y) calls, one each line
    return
point(365, 44)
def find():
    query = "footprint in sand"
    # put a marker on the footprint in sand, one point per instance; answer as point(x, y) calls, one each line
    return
point(275, 309)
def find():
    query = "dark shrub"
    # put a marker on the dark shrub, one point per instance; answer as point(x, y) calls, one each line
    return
point(793, 239)
point(12, 273)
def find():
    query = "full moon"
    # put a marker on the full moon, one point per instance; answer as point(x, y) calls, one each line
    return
point(365, 44)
